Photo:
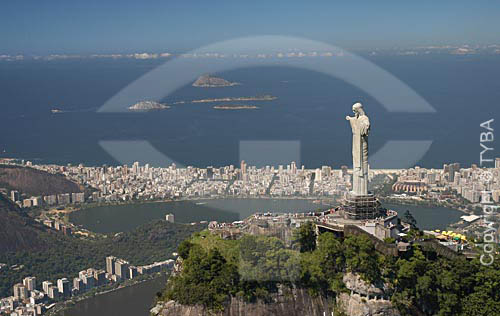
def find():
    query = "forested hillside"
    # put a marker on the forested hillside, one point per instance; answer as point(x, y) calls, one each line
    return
point(33, 182)
point(17, 230)
point(49, 255)
point(254, 268)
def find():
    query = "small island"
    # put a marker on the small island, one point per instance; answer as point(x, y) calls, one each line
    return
point(207, 81)
point(266, 97)
point(148, 106)
point(235, 107)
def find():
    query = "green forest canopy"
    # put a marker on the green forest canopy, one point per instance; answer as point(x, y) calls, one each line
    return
point(252, 267)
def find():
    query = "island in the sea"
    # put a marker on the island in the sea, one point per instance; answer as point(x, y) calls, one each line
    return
point(207, 81)
point(266, 97)
point(148, 106)
point(235, 107)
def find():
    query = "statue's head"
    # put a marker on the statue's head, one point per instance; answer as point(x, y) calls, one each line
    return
point(357, 108)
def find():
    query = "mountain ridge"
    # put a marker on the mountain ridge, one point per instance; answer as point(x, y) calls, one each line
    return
point(17, 230)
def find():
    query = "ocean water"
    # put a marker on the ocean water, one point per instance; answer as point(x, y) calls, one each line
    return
point(310, 111)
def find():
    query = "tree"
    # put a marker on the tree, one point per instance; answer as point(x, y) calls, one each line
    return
point(409, 219)
point(183, 249)
point(389, 240)
point(421, 284)
point(306, 237)
point(207, 279)
point(266, 259)
point(410, 282)
point(361, 257)
point(330, 254)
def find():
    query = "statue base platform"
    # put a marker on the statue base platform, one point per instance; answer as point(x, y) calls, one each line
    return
point(361, 206)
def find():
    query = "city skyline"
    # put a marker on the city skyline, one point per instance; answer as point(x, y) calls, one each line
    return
point(460, 49)
point(136, 182)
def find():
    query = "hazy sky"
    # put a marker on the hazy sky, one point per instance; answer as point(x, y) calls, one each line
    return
point(107, 26)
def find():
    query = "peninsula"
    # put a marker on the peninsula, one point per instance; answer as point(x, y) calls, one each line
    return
point(207, 81)
point(148, 106)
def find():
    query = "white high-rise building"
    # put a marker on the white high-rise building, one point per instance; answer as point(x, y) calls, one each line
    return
point(243, 167)
point(14, 195)
point(318, 175)
point(20, 292)
point(64, 287)
point(110, 265)
point(30, 283)
point(45, 286)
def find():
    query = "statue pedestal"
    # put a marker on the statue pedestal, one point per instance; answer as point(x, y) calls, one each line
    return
point(361, 206)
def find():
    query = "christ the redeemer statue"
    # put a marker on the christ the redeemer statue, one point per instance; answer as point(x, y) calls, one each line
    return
point(360, 125)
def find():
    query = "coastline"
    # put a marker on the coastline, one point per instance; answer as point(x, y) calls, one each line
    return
point(321, 200)
point(319, 204)
point(432, 204)
point(135, 207)
point(61, 307)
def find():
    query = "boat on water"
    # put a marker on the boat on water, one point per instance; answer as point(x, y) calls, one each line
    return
point(201, 203)
point(55, 110)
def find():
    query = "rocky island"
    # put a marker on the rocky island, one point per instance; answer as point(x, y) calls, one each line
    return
point(148, 106)
point(235, 107)
point(266, 97)
point(207, 81)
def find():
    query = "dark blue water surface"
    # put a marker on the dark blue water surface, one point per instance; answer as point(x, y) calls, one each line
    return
point(465, 90)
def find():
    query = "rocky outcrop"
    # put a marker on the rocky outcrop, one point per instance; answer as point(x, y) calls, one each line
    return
point(207, 81)
point(355, 305)
point(297, 302)
point(354, 283)
point(365, 299)
point(148, 106)
point(294, 302)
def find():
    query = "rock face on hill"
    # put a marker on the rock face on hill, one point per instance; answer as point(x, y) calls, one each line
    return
point(354, 283)
point(365, 298)
point(17, 230)
point(298, 302)
point(33, 182)
point(207, 81)
point(354, 305)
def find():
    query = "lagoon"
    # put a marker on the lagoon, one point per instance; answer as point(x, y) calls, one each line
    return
point(126, 217)
point(428, 217)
